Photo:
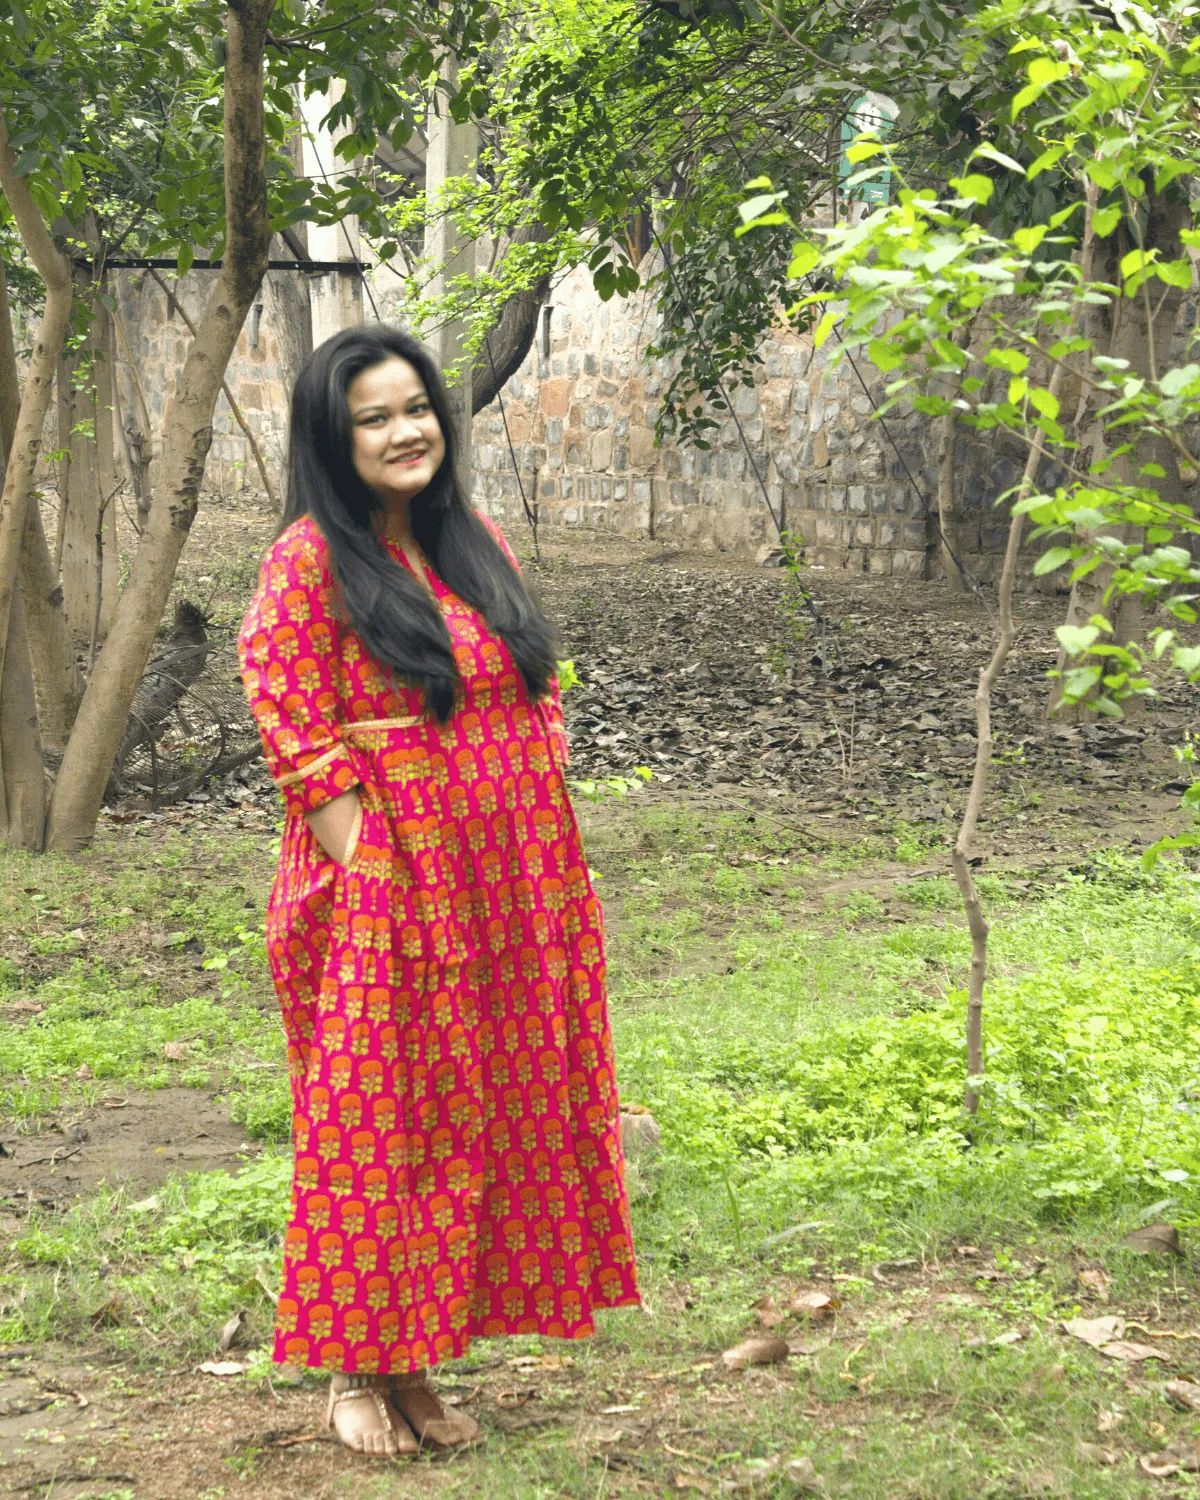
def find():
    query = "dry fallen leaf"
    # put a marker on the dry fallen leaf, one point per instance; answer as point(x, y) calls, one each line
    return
point(766, 1312)
point(1092, 1453)
point(765, 1349)
point(1184, 1393)
point(175, 1051)
point(221, 1367)
point(1095, 1331)
point(814, 1305)
point(1096, 1283)
point(83, 1072)
point(1177, 1458)
point(1130, 1352)
point(1109, 1421)
point(803, 1474)
point(966, 1251)
point(692, 1482)
point(1154, 1239)
point(229, 1332)
point(1013, 1336)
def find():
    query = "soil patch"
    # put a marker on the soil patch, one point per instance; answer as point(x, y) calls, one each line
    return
point(133, 1139)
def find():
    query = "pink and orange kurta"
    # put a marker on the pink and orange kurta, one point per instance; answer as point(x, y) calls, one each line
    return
point(458, 1159)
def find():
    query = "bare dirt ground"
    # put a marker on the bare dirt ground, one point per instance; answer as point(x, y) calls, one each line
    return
point(132, 1138)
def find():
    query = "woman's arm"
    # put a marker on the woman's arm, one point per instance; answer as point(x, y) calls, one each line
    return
point(289, 647)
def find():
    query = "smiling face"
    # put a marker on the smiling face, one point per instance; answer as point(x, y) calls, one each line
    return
point(397, 445)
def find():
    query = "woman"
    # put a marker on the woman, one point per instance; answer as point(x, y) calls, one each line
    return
point(433, 935)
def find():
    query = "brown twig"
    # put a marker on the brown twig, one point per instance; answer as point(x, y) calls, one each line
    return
point(233, 407)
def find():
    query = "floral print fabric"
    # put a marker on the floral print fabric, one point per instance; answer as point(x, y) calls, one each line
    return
point(458, 1164)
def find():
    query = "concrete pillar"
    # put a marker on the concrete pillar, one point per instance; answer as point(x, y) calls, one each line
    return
point(452, 152)
point(336, 297)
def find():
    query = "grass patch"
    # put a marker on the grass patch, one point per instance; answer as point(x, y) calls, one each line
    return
point(801, 1045)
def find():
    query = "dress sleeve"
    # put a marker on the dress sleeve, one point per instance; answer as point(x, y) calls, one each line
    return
point(289, 651)
point(549, 706)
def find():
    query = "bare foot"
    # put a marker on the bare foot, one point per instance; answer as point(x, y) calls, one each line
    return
point(365, 1420)
point(416, 1401)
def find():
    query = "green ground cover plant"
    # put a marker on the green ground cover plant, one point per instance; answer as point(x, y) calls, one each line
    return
point(797, 1033)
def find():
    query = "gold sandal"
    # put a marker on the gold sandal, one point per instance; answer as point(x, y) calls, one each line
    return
point(417, 1402)
point(393, 1438)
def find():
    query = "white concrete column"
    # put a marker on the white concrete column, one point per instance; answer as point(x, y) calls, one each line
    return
point(336, 297)
point(452, 152)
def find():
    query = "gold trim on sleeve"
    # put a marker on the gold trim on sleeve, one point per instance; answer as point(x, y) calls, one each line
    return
point(356, 724)
point(312, 767)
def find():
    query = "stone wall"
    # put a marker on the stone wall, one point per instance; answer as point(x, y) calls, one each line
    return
point(581, 421)
point(272, 346)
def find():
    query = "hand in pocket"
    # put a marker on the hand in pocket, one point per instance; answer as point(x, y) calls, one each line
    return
point(337, 825)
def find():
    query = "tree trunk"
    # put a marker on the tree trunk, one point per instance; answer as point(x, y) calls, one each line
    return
point(20, 744)
point(947, 444)
point(39, 381)
point(86, 433)
point(177, 475)
point(509, 342)
point(55, 676)
point(167, 679)
point(1141, 329)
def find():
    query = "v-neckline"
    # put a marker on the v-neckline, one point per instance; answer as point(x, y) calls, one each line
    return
point(418, 565)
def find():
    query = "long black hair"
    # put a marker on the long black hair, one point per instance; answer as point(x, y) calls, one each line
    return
point(396, 619)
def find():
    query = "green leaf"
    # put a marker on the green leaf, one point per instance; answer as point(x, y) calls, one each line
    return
point(883, 355)
point(1137, 260)
point(998, 156)
point(1044, 162)
point(755, 206)
point(1011, 360)
point(1176, 381)
point(1107, 220)
point(184, 258)
point(1076, 639)
point(804, 258)
point(973, 186)
point(863, 151)
point(1045, 402)
point(1055, 557)
point(1175, 272)
point(1027, 240)
point(824, 328)
point(1017, 388)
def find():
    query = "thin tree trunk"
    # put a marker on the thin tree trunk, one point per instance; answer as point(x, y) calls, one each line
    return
point(178, 473)
point(39, 381)
point(10, 376)
point(55, 676)
point(233, 407)
point(85, 411)
point(137, 437)
point(947, 443)
point(960, 859)
point(52, 656)
point(20, 744)
point(511, 339)
point(947, 476)
point(1143, 336)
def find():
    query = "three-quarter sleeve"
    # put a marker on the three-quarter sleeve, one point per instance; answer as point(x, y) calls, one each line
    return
point(549, 706)
point(289, 653)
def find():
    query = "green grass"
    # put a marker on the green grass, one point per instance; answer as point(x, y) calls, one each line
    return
point(799, 1037)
